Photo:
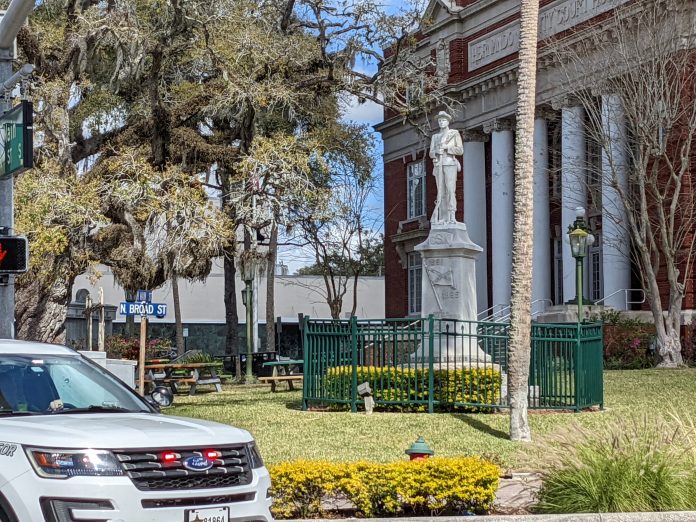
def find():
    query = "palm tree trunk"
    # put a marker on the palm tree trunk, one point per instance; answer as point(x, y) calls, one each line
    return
point(523, 233)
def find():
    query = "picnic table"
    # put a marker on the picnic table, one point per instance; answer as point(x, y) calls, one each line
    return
point(287, 370)
point(174, 374)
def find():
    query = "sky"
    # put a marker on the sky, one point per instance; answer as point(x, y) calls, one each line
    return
point(368, 113)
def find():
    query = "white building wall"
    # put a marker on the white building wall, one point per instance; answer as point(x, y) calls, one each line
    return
point(203, 302)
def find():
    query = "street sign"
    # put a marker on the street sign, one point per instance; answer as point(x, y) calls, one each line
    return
point(17, 136)
point(144, 296)
point(156, 309)
point(14, 255)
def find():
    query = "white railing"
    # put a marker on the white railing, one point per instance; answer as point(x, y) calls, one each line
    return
point(500, 313)
point(627, 292)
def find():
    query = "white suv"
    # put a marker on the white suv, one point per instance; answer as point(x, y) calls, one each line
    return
point(77, 444)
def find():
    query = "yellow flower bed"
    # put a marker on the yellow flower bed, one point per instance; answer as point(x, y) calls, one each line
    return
point(311, 489)
point(407, 385)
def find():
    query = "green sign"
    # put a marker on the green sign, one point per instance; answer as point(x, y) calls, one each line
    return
point(17, 134)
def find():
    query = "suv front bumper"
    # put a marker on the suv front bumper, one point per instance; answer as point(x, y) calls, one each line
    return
point(116, 499)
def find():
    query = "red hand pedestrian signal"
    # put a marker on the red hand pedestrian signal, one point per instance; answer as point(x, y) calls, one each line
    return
point(13, 254)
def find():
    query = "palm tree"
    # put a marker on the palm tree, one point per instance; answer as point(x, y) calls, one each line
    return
point(522, 236)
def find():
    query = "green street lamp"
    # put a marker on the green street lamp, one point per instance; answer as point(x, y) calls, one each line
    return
point(580, 238)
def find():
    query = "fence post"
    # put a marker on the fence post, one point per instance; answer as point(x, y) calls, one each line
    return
point(431, 366)
point(578, 373)
point(354, 350)
point(306, 381)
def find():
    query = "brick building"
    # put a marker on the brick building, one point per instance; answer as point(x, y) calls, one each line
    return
point(474, 44)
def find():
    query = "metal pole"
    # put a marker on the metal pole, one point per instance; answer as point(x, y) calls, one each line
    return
point(11, 23)
point(102, 319)
point(578, 284)
point(141, 355)
point(88, 309)
point(249, 329)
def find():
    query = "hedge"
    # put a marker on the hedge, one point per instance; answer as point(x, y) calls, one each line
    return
point(406, 385)
point(435, 486)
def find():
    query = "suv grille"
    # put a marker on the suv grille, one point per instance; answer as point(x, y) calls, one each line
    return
point(150, 472)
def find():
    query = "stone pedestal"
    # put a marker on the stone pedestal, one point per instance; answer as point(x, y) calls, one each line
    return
point(449, 292)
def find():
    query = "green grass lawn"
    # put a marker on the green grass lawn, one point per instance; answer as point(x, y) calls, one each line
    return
point(284, 432)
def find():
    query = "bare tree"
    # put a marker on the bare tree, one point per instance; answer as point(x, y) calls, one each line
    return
point(522, 240)
point(337, 235)
point(635, 76)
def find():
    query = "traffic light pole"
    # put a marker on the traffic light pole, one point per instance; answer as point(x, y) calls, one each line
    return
point(12, 21)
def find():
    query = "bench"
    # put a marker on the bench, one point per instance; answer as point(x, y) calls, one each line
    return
point(191, 374)
point(275, 379)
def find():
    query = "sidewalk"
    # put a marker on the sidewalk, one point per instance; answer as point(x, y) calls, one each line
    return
point(516, 494)
point(687, 516)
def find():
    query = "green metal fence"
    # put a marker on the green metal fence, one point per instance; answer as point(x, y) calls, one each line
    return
point(433, 363)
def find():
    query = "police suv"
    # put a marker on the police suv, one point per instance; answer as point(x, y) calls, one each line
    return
point(77, 444)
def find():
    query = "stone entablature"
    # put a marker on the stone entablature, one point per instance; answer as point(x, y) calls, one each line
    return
point(554, 18)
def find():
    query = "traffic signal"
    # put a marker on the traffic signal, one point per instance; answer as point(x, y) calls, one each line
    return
point(14, 255)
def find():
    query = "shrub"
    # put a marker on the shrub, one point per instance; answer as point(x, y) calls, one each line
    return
point(118, 347)
point(626, 341)
point(393, 384)
point(646, 465)
point(310, 489)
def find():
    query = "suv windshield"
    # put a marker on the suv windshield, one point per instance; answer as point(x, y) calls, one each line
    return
point(50, 384)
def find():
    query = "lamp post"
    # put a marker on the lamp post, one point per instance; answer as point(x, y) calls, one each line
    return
point(580, 239)
point(248, 270)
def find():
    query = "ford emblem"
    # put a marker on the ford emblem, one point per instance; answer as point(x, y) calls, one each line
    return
point(197, 463)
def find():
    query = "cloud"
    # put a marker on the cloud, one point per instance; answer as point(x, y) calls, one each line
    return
point(369, 113)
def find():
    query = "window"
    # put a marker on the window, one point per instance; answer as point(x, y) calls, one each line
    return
point(414, 92)
point(555, 172)
point(415, 173)
point(594, 174)
point(415, 275)
point(595, 269)
point(558, 270)
point(81, 295)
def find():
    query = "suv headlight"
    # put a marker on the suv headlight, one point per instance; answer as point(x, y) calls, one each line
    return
point(63, 464)
point(255, 460)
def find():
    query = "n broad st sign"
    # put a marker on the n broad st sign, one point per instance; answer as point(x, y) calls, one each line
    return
point(135, 308)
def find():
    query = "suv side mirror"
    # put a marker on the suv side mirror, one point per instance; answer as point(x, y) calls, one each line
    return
point(161, 396)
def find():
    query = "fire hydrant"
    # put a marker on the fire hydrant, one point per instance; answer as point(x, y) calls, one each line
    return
point(419, 450)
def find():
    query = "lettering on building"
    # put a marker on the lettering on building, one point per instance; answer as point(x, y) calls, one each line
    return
point(553, 19)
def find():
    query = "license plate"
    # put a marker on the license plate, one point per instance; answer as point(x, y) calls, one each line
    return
point(208, 515)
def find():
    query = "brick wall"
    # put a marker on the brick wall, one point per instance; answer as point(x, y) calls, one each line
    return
point(395, 276)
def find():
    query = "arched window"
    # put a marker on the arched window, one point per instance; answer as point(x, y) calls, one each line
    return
point(81, 295)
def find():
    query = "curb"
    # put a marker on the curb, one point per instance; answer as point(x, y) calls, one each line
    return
point(667, 516)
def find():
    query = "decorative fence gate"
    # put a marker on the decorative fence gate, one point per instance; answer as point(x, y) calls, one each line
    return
point(436, 364)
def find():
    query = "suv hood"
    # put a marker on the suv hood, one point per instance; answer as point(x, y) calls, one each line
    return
point(117, 431)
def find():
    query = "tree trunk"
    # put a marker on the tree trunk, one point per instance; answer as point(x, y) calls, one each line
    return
point(231, 317)
point(40, 312)
point(130, 319)
point(270, 289)
point(180, 346)
point(522, 237)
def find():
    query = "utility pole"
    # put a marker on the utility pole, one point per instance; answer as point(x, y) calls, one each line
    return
point(11, 23)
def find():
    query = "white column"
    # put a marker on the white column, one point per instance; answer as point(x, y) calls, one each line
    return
point(475, 216)
point(541, 260)
point(574, 185)
point(501, 211)
point(615, 239)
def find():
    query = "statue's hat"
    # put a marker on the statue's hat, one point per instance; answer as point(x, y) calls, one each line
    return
point(443, 114)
